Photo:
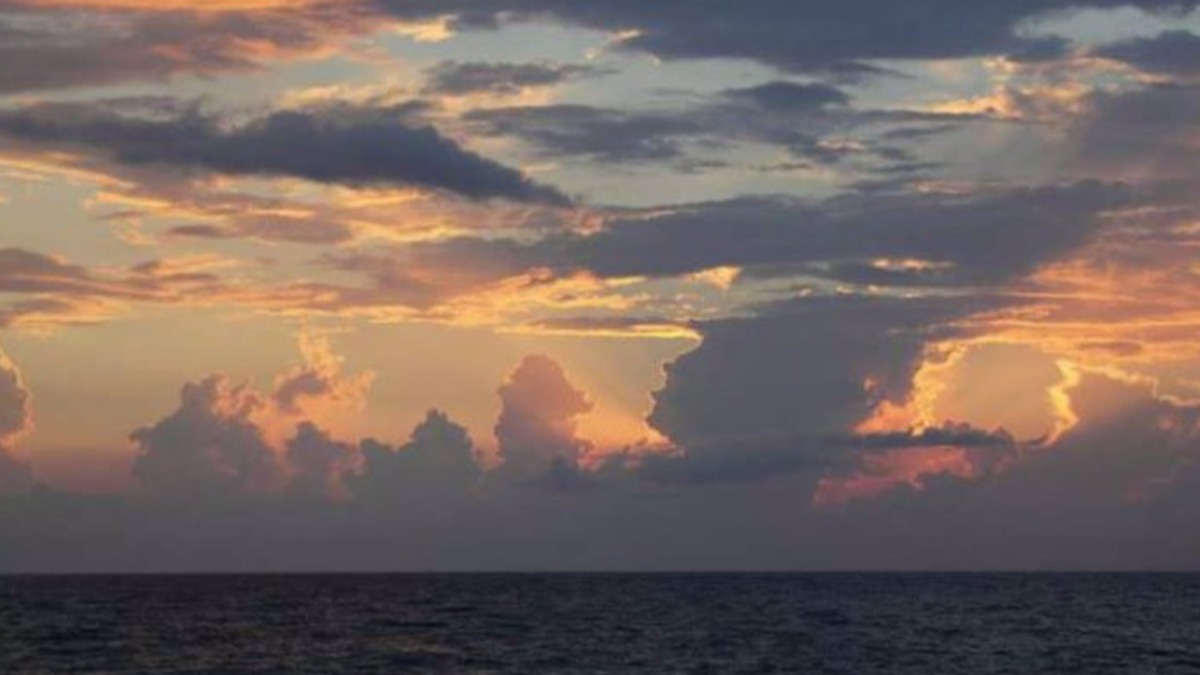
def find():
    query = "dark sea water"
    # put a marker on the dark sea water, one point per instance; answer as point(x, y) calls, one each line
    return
point(897, 624)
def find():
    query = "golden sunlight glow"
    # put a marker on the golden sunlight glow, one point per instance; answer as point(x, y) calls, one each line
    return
point(721, 278)
point(1065, 418)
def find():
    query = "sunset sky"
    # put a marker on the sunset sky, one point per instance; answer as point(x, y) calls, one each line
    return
point(623, 284)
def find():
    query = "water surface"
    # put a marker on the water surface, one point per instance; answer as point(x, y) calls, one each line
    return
point(660, 624)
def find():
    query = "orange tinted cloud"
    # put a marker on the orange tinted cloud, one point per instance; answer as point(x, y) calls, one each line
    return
point(883, 472)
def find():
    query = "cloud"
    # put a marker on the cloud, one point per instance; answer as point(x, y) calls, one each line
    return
point(816, 458)
point(52, 291)
point(1115, 492)
point(16, 410)
point(1118, 491)
point(814, 368)
point(827, 35)
point(765, 231)
point(340, 145)
point(438, 461)
point(457, 78)
point(319, 464)
point(24, 271)
point(88, 43)
point(810, 121)
point(598, 134)
point(1172, 53)
point(48, 46)
point(16, 419)
point(793, 393)
point(230, 442)
point(539, 420)
point(319, 380)
point(912, 243)
point(950, 237)
point(209, 447)
point(1141, 135)
point(790, 97)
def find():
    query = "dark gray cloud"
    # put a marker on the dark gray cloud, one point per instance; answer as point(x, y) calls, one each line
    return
point(457, 78)
point(790, 97)
point(784, 236)
point(598, 134)
point(809, 369)
point(1142, 134)
point(319, 464)
point(1175, 53)
point(801, 119)
point(437, 461)
point(355, 146)
point(46, 48)
point(814, 457)
point(1041, 224)
point(814, 36)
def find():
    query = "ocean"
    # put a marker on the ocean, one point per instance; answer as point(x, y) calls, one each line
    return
point(919, 624)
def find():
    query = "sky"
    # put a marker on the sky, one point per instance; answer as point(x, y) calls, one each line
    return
point(374, 285)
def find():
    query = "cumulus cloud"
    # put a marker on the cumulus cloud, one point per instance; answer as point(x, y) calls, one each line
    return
point(438, 461)
point(1115, 492)
point(319, 464)
point(16, 410)
point(538, 428)
point(342, 145)
point(210, 446)
point(229, 441)
point(16, 418)
point(787, 391)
